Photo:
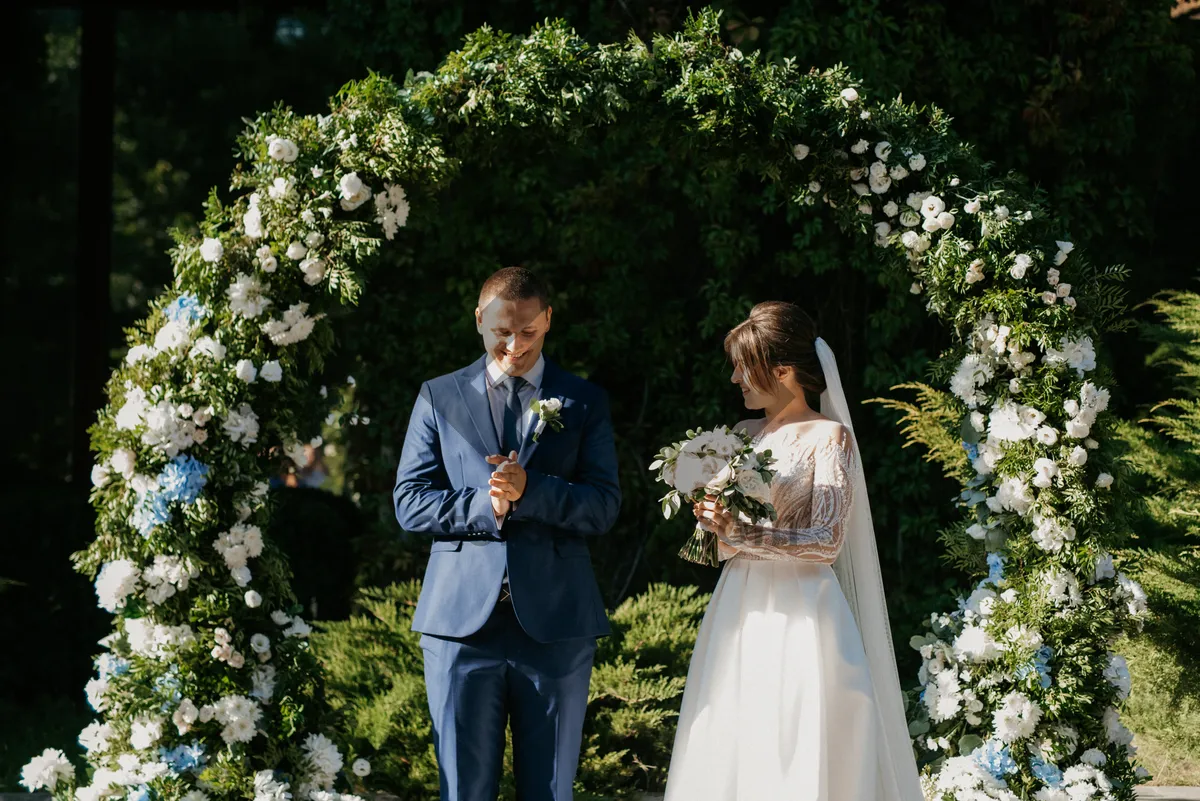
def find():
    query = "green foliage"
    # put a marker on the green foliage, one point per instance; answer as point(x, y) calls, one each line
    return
point(1164, 452)
point(375, 681)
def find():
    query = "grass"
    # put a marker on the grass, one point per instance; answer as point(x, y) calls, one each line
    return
point(1163, 709)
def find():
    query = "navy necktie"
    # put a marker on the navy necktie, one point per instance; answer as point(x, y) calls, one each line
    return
point(512, 415)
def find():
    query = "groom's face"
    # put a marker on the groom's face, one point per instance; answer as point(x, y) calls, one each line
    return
point(513, 332)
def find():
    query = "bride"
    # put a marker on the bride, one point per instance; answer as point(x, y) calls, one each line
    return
point(792, 693)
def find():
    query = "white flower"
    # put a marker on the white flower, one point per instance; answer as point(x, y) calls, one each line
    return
point(185, 715)
point(1012, 495)
point(298, 628)
point(1117, 733)
point(1016, 718)
point(1078, 457)
point(890, 208)
point(1117, 674)
point(207, 346)
point(909, 219)
point(46, 770)
point(1079, 355)
point(99, 475)
point(1104, 568)
point(271, 371)
point(1001, 213)
point(172, 336)
point(140, 353)
point(146, 732)
point(861, 189)
point(280, 618)
point(264, 683)
point(860, 147)
point(314, 239)
point(1047, 435)
point(281, 189)
point(211, 250)
point(1050, 534)
point(814, 186)
point(246, 297)
point(898, 172)
point(1078, 429)
point(800, 152)
point(1104, 481)
point(314, 271)
point(945, 220)
point(850, 94)
point(252, 221)
point(260, 643)
point(241, 425)
point(917, 163)
point(932, 206)
point(283, 150)
point(1062, 588)
point(253, 599)
point(246, 371)
point(1020, 265)
point(323, 755)
point(294, 327)
point(910, 239)
point(354, 191)
point(116, 581)
point(296, 251)
point(883, 150)
point(1048, 298)
point(361, 768)
point(974, 644)
point(972, 206)
point(1045, 471)
point(1063, 290)
point(915, 288)
point(973, 372)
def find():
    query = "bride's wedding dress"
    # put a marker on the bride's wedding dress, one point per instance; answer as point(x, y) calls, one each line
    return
point(780, 703)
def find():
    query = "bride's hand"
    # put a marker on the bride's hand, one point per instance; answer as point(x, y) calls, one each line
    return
point(712, 516)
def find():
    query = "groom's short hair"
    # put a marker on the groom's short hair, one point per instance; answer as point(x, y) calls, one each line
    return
point(513, 283)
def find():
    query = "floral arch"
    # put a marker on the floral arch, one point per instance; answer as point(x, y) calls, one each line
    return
point(208, 667)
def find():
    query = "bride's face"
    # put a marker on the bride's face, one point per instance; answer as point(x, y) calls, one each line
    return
point(751, 397)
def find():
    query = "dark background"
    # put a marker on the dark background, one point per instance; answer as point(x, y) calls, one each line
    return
point(118, 121)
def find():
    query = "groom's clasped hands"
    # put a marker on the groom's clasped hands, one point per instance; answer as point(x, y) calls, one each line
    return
point(507, 483)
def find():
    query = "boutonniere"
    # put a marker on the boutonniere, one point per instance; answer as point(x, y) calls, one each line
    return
point(549, 412)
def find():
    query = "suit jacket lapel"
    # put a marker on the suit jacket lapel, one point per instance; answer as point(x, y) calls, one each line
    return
point(472, 386)
point(546, 390)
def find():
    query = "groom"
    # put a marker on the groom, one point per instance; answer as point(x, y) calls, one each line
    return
point(509, 609)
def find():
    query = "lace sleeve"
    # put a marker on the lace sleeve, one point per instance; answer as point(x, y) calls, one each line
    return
point(833, 467)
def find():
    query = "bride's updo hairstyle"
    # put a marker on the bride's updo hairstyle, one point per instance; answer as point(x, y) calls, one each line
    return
point(777, 334)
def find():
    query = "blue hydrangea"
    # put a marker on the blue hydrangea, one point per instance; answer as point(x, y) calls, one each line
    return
point(111, 665)
point(1046, 773)
point(995, 568)
point(994, 757)
point(1040, 665)
point(971, 449)
point(139, 793)
point(186, 309)
point(184, 757)
point(182, 479)
point(167, 686)
point(150, 512)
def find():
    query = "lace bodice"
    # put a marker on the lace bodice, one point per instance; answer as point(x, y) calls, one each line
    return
point(812, 492)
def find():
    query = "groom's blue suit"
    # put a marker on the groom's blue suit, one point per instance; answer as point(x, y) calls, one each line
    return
point(528, 658)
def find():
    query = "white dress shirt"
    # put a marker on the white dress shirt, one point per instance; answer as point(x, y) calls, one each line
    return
point(497, 395)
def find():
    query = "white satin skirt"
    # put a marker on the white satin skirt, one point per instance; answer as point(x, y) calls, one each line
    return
point(778, 704)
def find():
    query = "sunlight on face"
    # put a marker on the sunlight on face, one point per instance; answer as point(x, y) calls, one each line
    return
point(752, 398)
point(513, 332)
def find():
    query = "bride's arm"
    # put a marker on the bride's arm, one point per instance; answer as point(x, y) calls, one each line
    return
point(832, 494)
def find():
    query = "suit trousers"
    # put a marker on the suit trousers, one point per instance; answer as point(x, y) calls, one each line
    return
point(499, 676)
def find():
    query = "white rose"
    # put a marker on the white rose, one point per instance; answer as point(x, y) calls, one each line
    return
point(211, 250)
point(271, 371)
point(354, 191)
point(99, 475)
point(361, 768)
point(314, 271)
point(1069, 302)
point(850, 94)
point(1047, 435)
point(1001, 213)
point(931, 224)
point(860, 147)
point(945, 220)
point(124, 461)
point(932, 206)
point(910, 239)
point(1065, 247)
point(915, 288)
point(883, 150)
point(1021, 264)
point(1063, 290)
point(916, 163)
point(246, 371)
point(898, 172)
point(1071, 406)
point(1077, 429)
point(1078, 457)
point(296, 251)
point(1104, 481)
point(252, 222)
point(1048, 298)
point(718, 483)
point(314, 239)
point(891, 209)
point(909, 218)
point(972, 206)
point(800, 152)
point(1052, 276)
point(552, 404)
point(253, 599)
point(283, 150)
point(752, 486)
point(882, 230)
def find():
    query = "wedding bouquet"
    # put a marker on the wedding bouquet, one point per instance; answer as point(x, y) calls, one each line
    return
point(720, 463)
